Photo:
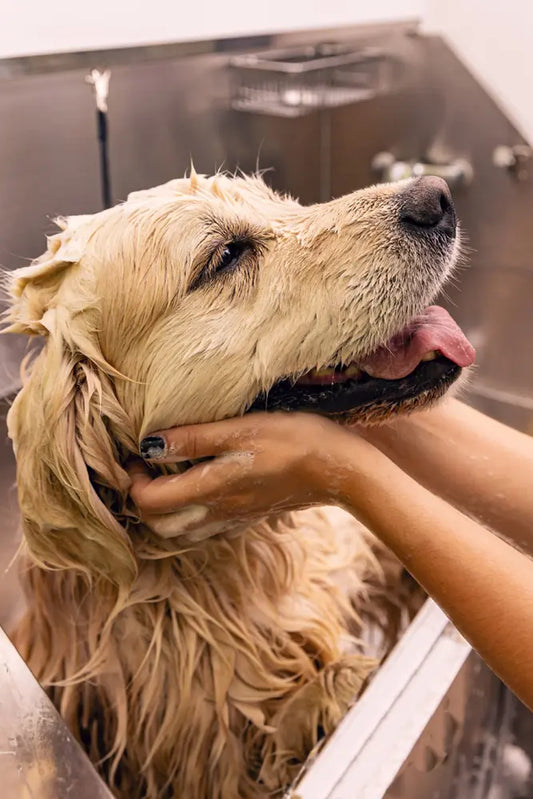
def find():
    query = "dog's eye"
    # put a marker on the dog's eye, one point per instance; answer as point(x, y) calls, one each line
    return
point(238, 255)
point(231, 254)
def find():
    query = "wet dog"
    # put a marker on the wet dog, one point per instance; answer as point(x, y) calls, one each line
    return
point(207, 666)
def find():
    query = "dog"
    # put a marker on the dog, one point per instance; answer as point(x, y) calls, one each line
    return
point(207, 666)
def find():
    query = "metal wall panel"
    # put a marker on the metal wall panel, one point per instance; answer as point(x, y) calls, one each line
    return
point(170, 103)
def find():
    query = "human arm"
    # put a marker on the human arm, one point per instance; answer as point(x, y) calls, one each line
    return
point(482, 583)
point(474, 462)
point(269, 463)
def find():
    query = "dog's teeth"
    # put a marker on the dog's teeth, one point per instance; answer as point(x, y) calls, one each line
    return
point(430, 356)
point(353, 372)
point(326, 372)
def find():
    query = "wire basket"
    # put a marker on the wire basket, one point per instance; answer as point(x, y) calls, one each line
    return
point(295, 82)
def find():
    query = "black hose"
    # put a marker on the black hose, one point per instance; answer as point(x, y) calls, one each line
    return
point(101, 121)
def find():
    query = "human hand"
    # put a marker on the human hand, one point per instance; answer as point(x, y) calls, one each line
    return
point(262, 464)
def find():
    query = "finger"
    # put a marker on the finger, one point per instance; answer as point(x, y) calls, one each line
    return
point(187, 520)
point(190, 519)
point(198, 521)
point(199, 441)
point(200, 485)
point(138, 472)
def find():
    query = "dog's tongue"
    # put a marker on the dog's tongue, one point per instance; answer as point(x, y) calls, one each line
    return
point(434, 330)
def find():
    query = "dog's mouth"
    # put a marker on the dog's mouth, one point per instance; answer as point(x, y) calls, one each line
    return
point(413, 368)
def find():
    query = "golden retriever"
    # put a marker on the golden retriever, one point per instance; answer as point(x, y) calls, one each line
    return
point(208, 666)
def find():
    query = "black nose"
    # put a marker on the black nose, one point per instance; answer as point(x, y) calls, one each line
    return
point(427, 205)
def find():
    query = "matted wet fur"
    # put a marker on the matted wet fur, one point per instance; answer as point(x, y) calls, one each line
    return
point(205, 665)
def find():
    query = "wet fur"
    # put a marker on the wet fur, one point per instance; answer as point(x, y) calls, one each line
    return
point(200, 667)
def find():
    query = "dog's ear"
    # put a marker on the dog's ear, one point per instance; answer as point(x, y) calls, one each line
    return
point(45, 297)
point(66, 424)
point(34, 290)
point(67, 459)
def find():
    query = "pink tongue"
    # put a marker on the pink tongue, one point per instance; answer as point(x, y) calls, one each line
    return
point(434, 330)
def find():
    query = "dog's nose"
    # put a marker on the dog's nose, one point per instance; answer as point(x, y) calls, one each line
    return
point(427, 205)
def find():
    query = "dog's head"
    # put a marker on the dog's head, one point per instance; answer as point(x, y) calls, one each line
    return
point(208, 297)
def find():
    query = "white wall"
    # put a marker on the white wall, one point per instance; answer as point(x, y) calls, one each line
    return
point(492, 37)
point(495, 41)
point(45, 26)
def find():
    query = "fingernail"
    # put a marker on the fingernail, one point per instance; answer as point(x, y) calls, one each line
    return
point(152, 447)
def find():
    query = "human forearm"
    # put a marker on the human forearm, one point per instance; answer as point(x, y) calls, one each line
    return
point(483, 584)
point(472, 461)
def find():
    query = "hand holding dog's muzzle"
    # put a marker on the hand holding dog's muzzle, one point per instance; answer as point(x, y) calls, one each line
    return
point(260, 465)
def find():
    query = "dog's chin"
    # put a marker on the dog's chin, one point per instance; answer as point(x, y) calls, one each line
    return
point(364, 399)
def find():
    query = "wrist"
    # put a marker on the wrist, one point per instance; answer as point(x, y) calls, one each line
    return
point(344, 469)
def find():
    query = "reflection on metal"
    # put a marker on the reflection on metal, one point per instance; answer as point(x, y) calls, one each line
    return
point(491, 393)
point(297, 81)
point(11, 598)
point(435, 723)
point(516, 160)
point(39, 758)
point(366, 752)
point(493, 306)
point(456, 173)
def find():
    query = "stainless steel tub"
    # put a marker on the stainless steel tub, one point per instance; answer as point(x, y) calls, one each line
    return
point(39, 758)
point(434, 723)
point(10, 595)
